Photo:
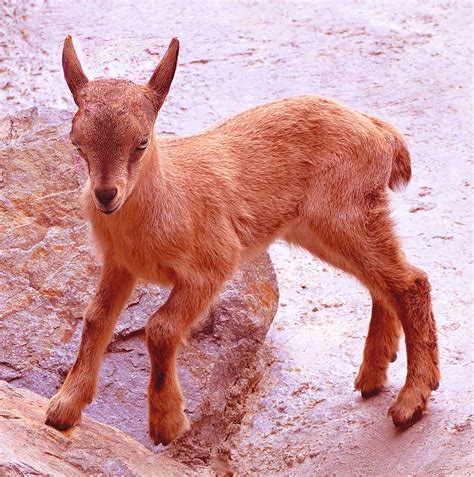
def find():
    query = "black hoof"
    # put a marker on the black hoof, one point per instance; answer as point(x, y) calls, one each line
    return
point(417, 415)
point(60, 426)
point(370, 393)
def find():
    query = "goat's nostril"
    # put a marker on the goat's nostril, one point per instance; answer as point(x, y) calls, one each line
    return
point(105, 196)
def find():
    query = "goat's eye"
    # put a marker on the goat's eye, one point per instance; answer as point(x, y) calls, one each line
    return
point(75, 145)
point(143, 144)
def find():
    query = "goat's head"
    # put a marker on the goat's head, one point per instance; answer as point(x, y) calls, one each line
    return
point(113, 127)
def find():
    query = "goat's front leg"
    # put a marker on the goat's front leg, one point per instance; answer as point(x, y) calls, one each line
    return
point(78, 390)
point(165, 332)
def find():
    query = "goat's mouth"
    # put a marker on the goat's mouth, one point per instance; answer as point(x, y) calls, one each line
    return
point(110, 211)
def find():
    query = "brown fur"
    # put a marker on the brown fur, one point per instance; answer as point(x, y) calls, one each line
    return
point(187, 211)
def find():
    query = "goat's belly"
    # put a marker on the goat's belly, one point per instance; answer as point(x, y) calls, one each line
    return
point(159, 276)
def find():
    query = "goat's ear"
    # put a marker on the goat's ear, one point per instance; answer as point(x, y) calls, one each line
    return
point(75, 77)
point(163, 75)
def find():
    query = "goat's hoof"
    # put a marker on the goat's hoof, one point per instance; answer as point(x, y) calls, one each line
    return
point(393, 358)
point(369, 382)
point(435, 386)
point(404, 421)
point(61, 413)
point(409, 406)
point(165, 428)
point(366, 394)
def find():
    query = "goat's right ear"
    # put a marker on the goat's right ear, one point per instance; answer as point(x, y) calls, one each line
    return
point(75, 77)
point(160, 82)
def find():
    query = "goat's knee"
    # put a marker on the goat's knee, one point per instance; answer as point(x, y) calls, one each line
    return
point(415, 284)
point(163, 331)
point(414, 307)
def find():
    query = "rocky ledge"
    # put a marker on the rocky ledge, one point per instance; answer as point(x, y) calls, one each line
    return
point(48, 272)
point(29, 447)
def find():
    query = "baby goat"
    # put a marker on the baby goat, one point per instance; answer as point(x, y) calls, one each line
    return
point(187, 211)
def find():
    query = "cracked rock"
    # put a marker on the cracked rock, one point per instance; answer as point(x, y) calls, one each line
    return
point(48, 273)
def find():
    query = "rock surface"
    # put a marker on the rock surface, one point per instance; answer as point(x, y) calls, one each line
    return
point(29, 447)
point(48, 272)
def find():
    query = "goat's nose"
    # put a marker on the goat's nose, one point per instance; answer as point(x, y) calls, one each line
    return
point(105, 196)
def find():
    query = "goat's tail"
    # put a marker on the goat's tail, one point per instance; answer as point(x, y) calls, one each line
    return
point(401, 164)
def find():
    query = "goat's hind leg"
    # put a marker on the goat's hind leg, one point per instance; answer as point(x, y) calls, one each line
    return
point(413, 302)
point(369, 249)
point(385, 272)
point(384, 331)
point(380, 349)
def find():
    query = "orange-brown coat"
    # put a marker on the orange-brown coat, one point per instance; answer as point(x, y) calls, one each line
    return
point(187, 211)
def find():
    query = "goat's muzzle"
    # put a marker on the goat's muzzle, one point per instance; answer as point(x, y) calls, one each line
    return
point(105, 200)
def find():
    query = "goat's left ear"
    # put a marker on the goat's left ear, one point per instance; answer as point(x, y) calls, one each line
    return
point(160, 82)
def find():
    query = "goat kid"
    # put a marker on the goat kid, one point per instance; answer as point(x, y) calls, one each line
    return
point(187, 211)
